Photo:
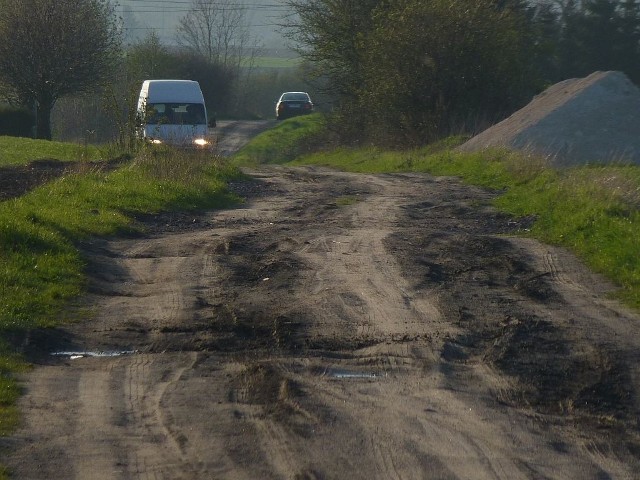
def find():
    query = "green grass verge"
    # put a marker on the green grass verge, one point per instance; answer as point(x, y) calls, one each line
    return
point(41, 269)
point(289, 139)
point(20, 151)
point(594, 211)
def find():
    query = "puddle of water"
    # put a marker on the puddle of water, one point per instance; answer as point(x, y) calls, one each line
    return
point(107, 353)
point(340, 373)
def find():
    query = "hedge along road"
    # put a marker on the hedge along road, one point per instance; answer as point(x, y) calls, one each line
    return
point(337, 326)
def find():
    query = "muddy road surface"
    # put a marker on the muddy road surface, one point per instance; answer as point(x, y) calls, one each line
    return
point(336, 326)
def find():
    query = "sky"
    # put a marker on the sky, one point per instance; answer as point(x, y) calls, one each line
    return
point(142, 16)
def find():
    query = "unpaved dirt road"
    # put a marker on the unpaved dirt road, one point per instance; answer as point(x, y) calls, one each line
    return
point(336, 326)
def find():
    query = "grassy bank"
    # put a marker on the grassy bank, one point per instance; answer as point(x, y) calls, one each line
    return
point(20, 151)
point(288, 140)
point(41, 269)
point(594, 211)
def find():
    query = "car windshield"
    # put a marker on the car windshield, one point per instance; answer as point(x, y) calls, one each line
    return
point(295, 97)
point(175, 114)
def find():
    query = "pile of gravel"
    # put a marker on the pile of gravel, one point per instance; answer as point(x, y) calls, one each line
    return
point(595, 119)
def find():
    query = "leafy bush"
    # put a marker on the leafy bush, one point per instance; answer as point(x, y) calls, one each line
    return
point(410, 71)
point(431, 67)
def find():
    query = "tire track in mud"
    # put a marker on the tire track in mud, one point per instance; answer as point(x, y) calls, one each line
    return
point(325, 244)
point(343, 361)
point(386, 461)
point(154, 445)
point(394, 335)
point(93, 440)
point(325, 247)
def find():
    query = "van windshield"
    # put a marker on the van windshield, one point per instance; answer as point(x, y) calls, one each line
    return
point(175, 114)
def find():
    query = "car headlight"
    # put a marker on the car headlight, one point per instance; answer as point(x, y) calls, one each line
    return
point(156, 141)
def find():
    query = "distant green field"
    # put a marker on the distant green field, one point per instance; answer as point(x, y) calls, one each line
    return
point(20, 151)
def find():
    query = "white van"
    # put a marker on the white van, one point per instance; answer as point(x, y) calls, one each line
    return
point(173, 112)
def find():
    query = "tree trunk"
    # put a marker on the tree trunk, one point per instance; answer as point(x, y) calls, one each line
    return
point(43, 121)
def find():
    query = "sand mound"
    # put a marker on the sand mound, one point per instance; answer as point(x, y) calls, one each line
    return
point(595, 119)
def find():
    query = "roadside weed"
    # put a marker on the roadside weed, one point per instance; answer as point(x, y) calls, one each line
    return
point(346, 201)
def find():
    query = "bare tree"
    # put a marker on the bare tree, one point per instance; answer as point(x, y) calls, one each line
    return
point(218, 30)
point(149, 58)
point(54, 48)
point(215, 29)
point(197, 29)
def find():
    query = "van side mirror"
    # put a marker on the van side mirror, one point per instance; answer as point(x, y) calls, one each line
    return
point(212, 122)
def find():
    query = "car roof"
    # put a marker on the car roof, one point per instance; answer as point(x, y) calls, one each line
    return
point(294, 93)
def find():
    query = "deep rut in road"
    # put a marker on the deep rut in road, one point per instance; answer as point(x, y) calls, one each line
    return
point(336, 326)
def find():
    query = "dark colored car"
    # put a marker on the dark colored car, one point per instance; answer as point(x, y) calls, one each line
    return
point(292, 104)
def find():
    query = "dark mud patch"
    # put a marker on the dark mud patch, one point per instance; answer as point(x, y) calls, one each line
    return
point(260, 384)
point(37, 344)
point(251, 328)
point(255, 266)
point(437, 259)
point(268, 271)
point(557, 375)
point(163, 223)
point(506, 310)
point(234, 330)
point(279, 397)
point(474, 217)
point(250, 188)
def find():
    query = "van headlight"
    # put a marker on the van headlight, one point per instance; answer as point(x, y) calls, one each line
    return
point(156, 141)
point(201, 142)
